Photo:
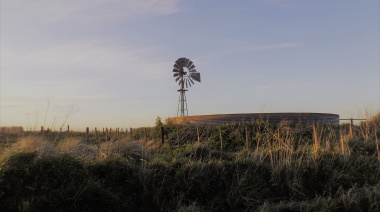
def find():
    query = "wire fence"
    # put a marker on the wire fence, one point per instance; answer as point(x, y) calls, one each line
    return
point(224, 136)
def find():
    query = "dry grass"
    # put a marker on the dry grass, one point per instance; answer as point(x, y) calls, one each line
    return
point(77, 148)
point(30, 144)
point(286, 168)
point(122, 148)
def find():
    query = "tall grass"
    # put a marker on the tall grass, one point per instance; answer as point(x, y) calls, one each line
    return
point(284, 167)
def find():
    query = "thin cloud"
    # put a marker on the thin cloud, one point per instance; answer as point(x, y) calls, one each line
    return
point(243, 47)
point(50, 11)
point(84, 57)
point(272, 46)
point(265, 87)
point(279, 3)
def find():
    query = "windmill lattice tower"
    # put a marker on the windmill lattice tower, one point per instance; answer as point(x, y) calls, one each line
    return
point(185, 74)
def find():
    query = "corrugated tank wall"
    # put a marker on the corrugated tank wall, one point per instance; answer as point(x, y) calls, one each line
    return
point(307, 118)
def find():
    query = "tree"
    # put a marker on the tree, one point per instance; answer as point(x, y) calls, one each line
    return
point(159, 122)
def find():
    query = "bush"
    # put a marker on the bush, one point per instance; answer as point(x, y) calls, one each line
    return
point(50, 183)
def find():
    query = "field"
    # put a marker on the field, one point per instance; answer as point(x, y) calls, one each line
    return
point(253, 166)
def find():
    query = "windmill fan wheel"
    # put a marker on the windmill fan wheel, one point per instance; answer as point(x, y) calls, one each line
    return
point(187, 76)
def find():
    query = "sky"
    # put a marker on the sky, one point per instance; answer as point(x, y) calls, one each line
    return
point(108, 63)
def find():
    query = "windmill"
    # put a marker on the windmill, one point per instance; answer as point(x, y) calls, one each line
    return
point(185, 74)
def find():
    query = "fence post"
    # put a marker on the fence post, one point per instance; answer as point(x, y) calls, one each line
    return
point(130, 130)
point(221, 139)
point(110, 133)
point(87, 131)
point(146, 138)
point(106, 134)
point(351, 130)
point(198, 135)
point(246, 138)
point(177, 134)
point(68, 128)
point(162, 135)
point(316, 141)
point(96, 134)
point(42, 130)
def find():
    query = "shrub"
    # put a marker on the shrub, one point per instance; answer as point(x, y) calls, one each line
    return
point(50, 183)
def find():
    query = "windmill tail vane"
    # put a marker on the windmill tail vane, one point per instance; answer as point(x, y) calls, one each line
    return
point(185, 74)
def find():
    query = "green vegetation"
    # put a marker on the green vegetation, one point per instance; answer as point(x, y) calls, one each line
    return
point(235, 167)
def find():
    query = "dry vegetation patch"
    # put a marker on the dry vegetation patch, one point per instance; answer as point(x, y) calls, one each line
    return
point(261, 167)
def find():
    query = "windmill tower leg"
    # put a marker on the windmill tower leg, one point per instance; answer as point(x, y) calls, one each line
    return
point(182, 101)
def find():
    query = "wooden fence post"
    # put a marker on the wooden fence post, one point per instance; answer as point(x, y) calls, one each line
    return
point(177, 134)
point(316, 141)
point(198, 135)
point(221, 139)
point(87, 131)
point(106, 134)
point(246, 138)
point(110, 133)
point(68, 128)
point(350, 130)
point(146, 138)
point(42, 130)
point(130, 130)
point(96, 134)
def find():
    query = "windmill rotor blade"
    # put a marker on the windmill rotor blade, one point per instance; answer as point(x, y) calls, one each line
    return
point(176, 66)
point(194, 70)
point(190, 81)
point(178, 78)
point(186, 62)
point(176, 75)
point(187, 83)
point(178, 62)
point(196, 76)
point(189, 64)
point(181, 62)
point(175, 70)
point(191, 67)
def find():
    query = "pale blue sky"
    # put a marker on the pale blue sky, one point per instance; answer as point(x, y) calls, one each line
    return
point(112, 59)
